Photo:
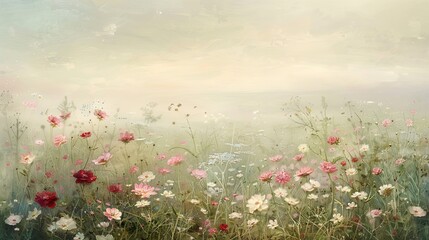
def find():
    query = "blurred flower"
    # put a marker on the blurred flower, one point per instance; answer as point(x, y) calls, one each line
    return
point(377, 171)
point(364, 148)
point(303, 148)
point(32, 215)
point(386, 190)
point(351, 205)
point(66, 223)
point(126, 137)
point(79, 236)
point(360, 195)
point(399, 162)
point(417, 211)
point(168, 194)
point(337, 218)
point(13, 219)
point(266, 176)
point(276, 158)
point(280, 192)
point(375, 213)
point(54, 121)
point(59, 140)
point(386, 122)
point(103, 224)
point(272, 224)
point(65, 115)
point(409, 122)
point(298, 157)
point(333, 140)
point(257, 202)
point(252, 222)
point(103, 159)
point(101, 115)
point(146, 177)
point(142, 203)
point(175, 160)
point(27, 158)
point(39, 142)
point(304, 171)
point(84, 176)
point(328, 167)
point(164, 171)
point(46, 199)
point(113, 213)
point(85, 135)
point(291, 201)
point(235, 215)
point(351, 171)
point(115, 188)
point(199, 173)
point(104, 237)
point(282, 177)
point(223, 227)
point(133, 169)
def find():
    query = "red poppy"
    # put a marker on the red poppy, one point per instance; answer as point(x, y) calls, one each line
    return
point(223, 227)
point(46, 199)
point(85, 135)
point(115, 188)
point(83, 176)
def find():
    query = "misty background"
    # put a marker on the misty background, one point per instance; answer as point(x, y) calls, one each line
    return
point(234, 57)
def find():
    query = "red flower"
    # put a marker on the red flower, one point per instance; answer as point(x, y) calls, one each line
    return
point(115, 188)
point(126, 137)
point(343, 163)
point(85, 135)
point(83, 176)
point(223, 227)
point(46, 199)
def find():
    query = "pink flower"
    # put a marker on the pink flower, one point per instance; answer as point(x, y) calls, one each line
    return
point(115, 188)
point(54, 121)
point(113, 213)
point(375, 213)
point(409, 122)
point(266, 176)
point(176, 160)
point(386, 122)
point(282, 177)
point(399, 162)
point(102, 159)
point(60, 140)
point(126, 137)
point(304, 171)
point(164, 171)
point(133, 169)
point(328, 167)
point(276, 158)
point(101, 115)
point(298, 157)
point(377, 171)
point(161, 156)
point(143, 190)
point(78, 162)
point(333, 140)
point(199, 173)
point(27, 158)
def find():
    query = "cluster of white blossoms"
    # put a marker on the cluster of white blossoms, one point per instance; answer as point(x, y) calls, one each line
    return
point(360, 195)
point(311, 185)
point(257, 202)
point(345, 189)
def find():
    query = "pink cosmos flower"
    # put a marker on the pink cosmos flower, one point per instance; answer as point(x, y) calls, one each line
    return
point(126, 137)
point(143, 190)
point(199, 173)
point(298, 157)
point(333, 140)
point(328, 167)
point(266, 176)
point(27, 158)
point(282, 177)
point(276, 158)
point(101, 115)
point(377, 171)
point(113, 213)
point(386, 122)
point(133, 169)
point(176, 160)
point(375, 213)
point(54, 121)
point(304, 171)
point(164, 171)
point(102, 159)
point(59, 140)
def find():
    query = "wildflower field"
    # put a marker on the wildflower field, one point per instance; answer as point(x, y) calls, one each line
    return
point(89, 173)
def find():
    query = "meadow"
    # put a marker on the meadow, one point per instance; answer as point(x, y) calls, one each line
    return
point(359, 172)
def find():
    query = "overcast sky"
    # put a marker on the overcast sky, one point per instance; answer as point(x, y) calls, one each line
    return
point(131, 51)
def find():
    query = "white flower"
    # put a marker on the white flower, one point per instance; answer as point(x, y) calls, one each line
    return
point(103, 224)
point(146, 177)
point(204, 211)
point(235, 215)
point(280, 192)
point(52, 227)
point(106, 237)
point(195, 201)
point(307, 187)
point(211, 184)
point(360, 195)
point(272, 224)
point(252, 222)
point(351, 205)
point(325, 195)
point(32, 215)
point(292, 201)
point(168, 194)
point(315, 183)
point(386, 190)
point(364, 148)
point(303, 148)
point(66, 223)
point(169, 183)
point(417, 211)
point(312, 196)
point(13, 219)
point(142, 203)
point(257, 203)
point(351, 171)
point(337, 218)
point(79, 236)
